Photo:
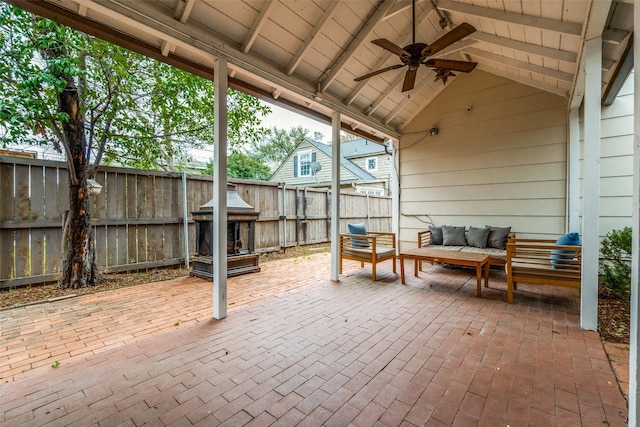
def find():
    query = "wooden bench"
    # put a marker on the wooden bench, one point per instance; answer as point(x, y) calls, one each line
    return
point(538, 261)
point(373, 247)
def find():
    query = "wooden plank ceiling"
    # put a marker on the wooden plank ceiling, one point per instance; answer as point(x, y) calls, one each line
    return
point(307, 53)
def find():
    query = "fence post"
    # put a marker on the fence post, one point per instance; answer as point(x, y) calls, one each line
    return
point(368, 214)
point(185, 216)
point(284, 215)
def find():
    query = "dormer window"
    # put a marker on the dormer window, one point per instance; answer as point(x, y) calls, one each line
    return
point(302, 163)
point(372, 164)
point(305, 164)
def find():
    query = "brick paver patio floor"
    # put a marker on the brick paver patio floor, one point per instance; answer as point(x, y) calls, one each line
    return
point(298, 349)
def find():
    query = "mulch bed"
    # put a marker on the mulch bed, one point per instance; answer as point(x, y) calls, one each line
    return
point(614, 318)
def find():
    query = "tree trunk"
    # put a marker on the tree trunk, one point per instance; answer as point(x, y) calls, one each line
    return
point(78, 265)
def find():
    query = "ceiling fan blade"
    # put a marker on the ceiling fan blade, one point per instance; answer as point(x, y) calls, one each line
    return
point(391, 47)
point(458, 33)
point(375, 73)
point(409, 79)
point(450, 64)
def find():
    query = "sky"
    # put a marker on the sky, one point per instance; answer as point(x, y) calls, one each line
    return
point(284, 119)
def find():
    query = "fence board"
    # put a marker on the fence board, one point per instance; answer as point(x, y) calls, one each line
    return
point(6, 213)
point(98, 209)
point(53, 241)
point(100, 244)
point(120, 195)
point(36, 199)
point(138, 217)
point(121, 233)
point(21, 200)
point(63, 191)
point(132, 244)
point(131, 193)
point(51, 197)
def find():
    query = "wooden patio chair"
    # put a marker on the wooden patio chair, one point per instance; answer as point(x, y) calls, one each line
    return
point(372, 247)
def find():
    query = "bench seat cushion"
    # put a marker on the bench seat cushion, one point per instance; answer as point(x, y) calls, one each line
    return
point(494, 253)
point(445, 248)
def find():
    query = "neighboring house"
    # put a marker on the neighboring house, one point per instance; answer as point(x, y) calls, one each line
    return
point(365, 167)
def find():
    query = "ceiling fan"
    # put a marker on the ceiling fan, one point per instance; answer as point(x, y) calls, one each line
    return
point(415, 54)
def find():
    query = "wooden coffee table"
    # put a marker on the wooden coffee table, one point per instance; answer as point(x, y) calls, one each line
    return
point(479, 261)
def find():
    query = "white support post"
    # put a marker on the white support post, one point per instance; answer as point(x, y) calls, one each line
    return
point(335, 196)
point(591, 189)
point(634, 371)
point(395, 190)
point(220, 190)
point(573, 172)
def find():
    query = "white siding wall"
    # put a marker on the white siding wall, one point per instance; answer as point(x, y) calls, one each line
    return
point(384, 165)
point(616, 161)
point(503, 163)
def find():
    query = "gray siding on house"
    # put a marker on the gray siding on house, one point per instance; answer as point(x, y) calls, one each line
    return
point(285, 172)
point(503, 163)
point(384, 165)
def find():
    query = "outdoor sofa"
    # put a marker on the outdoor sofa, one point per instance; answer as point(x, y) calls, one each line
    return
point(489, 240)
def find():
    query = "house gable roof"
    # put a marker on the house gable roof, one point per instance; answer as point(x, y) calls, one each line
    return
point(344, 161)
point(348, 149)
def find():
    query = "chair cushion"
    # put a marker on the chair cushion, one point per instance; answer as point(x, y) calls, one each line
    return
point(453, 236)
point(358, 229)
point(561, 256)
point(382, 252)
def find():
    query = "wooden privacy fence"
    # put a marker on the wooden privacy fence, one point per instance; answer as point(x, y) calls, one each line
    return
point(138, 217)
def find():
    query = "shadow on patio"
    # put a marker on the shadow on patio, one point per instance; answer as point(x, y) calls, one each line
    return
point(297, 348)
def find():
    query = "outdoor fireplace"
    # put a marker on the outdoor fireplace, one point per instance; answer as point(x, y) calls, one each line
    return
point(241, 226)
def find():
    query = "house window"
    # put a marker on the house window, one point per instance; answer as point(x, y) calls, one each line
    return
point(372, 164)
point(370, 191)
point(304, 164)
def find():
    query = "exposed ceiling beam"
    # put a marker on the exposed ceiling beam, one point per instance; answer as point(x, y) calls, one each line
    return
point(527, 66)
point(607, 64)
point(620, 76)
point(426, 101)
point(401, 6)
point(547, 52)
point(165, 48)
point(183, 10)
point(385, 56)
point(259, 22)
point(390, 88)
point(562, 27)
point(525, 81)
point(139, 15)
point(307, 44)
point(612, 36)
point(596, 23)
point(363, 34)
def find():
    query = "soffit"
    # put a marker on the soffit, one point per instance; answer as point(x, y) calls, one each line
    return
point(307, 53)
